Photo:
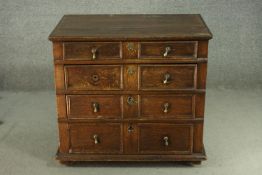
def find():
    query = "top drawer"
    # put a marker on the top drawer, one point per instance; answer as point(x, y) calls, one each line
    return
point(92, 50)
point(169, 50)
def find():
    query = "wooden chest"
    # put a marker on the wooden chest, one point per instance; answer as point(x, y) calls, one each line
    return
point(130, 87)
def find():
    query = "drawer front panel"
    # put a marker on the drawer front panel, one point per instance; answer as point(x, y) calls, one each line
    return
point(168, 50)
point(94, 106)
point(167, 106)
point(167, 77)
point(165, 138)
point(92, 50)
point(94, 77)
point(96, 138)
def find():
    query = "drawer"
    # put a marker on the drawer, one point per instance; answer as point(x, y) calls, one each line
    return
point(167, 77)
point(92, 50)
point(96, 138)
point(167, 106)
point(168, 50)
point(93, 77)
point(94, 106)
point(165, 138)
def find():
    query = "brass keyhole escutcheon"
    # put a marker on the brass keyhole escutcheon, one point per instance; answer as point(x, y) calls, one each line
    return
point(131, 47)
point(131, 100)
point(130, 128)
point(130, 71)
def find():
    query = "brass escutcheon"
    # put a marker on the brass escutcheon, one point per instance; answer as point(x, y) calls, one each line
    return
point(131, 47)
point(95, 77)
point(130, 71)
point(131, 100)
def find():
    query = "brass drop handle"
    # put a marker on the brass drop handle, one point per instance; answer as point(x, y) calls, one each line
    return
point(167, 50)
point(96, 140)
point(167, 78)
point(95, 107)
point(94, 50)
point(166, 142)
point(166, 107)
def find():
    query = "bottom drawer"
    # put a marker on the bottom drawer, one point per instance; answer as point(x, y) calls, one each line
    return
point(165, 138)
point(96, 138)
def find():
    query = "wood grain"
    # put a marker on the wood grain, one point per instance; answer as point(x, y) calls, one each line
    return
point(180, 138)
point(93, 77)
point(182, 76)
point(83, 50)
point(109, 138)
point(178, 49)
point(81, 106)
point(130, 138)
point(179, 106)
point(131, 27)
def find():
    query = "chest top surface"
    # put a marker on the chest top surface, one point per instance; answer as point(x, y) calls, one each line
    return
point(131, 27)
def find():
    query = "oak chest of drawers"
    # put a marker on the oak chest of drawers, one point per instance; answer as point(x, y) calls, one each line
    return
point(130, 87)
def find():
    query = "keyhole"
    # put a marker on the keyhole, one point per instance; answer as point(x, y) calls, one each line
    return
point(130, 128)
point(95, 77)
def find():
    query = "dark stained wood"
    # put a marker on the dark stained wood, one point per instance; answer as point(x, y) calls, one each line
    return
point(58, 50)
point(59, 77)
point(81, 106)
point(152, 138)
point(109, 138)
point(198, 138)
point(83, 50)
point(201, 75)
point(93, 77)
point(61, 106)
point(133, 120)
point(130, 110)
point(130, 138)
point(64, 138)
point(133, 61)
point(133, 157)
point(178, 106)
point(119, 94)
point(181, 77)
point(200, 105)
point(130, 77)
point(133, 92)
point(130, 27)
point(179, 49)
point(202, 51)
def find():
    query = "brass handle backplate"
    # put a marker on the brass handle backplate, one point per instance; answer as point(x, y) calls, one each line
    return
point(95, 106)
point(167, 50)
point(94, 50)
point(166, 141)
point(167, 78)
point(166, 107)
point(95, 137)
